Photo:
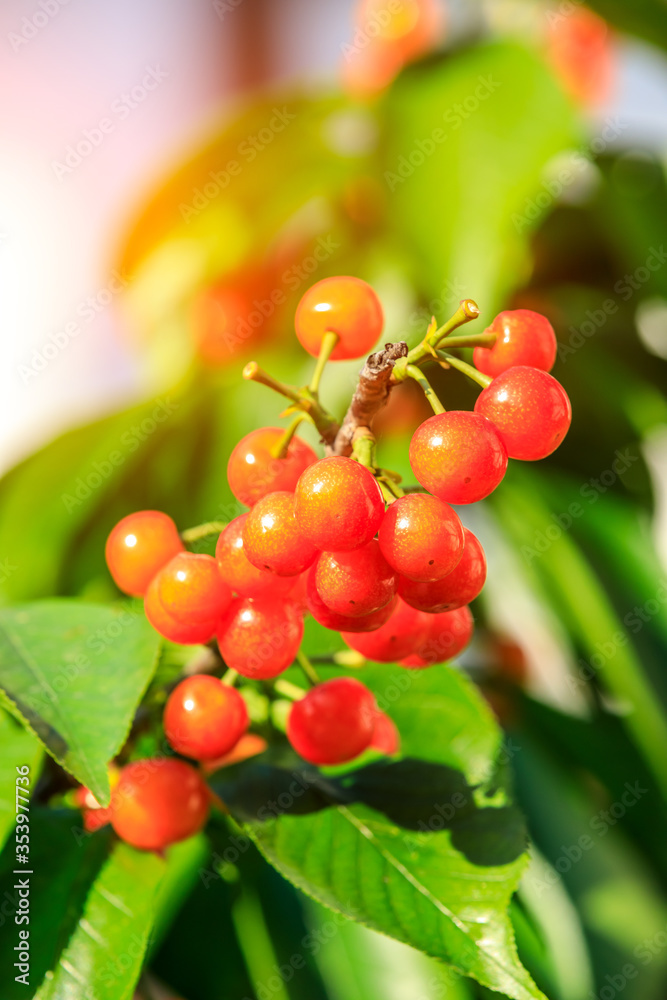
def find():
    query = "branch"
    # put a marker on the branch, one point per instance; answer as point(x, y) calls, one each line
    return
point(371, 394)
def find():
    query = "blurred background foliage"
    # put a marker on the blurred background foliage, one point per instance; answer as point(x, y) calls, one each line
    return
point(474, 166)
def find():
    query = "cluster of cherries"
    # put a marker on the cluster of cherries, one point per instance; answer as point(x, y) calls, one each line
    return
point(319, 538)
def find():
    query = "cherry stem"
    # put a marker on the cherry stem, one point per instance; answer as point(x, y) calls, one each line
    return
point(463, 366)
point(303, 399)
point(363, 447)
point(472, 340)
point(202, 531)
point(329, 341)
point(229, 677)
point(429, 391)
point(467, 311)
point(281, 446)
point(307, 667)
point(289, 690)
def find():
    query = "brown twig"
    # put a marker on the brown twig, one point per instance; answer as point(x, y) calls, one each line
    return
point(370, 395)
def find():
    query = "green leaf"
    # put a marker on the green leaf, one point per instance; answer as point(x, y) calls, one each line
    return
point(19, 748)
point(645, 18)
point(103, 957)
point(396, 866)
point(467, 145)
point(74, 674)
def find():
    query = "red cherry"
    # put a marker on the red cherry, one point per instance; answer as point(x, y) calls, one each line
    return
point(459, 587)
point(238, 572)
point(253, 471)
point(529, 409)
point(421, 537)
point(403, 634)
point(386, 738)
point(220, 322)
point(355, 583)
point(157, 802)
point(272, 538)
point(448, 635)
point(458, 456)
point(334, 722)
point(204, 718)
point(342, 623)
point(250, 745)
point(348, 307)
point(187, 633)
point(191, 589)
point(581, 52)
point(338, 504)
point(139, 546)
point(524, 337)
point(260, 637)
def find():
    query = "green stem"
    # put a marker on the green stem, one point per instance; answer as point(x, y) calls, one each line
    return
point(291, 691)
point(307, 667)
point(303, 399)
point(202, 531)
point(281, 446)
point(428, 389)
point(472, 340)
point(363, 450)
point(327, 347)
point(229, 677)
point(463, 366)
point(467, 311)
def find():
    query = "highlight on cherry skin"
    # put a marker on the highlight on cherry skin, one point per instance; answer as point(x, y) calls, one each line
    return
point(330, 541)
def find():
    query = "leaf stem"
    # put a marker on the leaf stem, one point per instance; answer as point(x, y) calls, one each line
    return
point(467, 311)
point(291, 691)
point(303, 399)
point(328, 345)
point(229, 677)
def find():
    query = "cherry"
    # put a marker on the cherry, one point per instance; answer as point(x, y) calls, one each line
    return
point(95, 816)
point(139, 546)
point(530, 410)
point(459, 587)
point(581, 53)
point(157, 802)
point(386, 738)
point(187, 633)
point(347, 306)
point(220, 318)
point(253, 471)
point(272, 538)
point(260, 637)
point(204, 718)
point(338, 504)
point(334, 722)
point(238, 572)
point(403, 634)
point(458, 456)
point(355, 583)
point(191, 589)
point(250, 745)
point(524, 337)
point(448, 634)
point(421, 537)
point(342, 623)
